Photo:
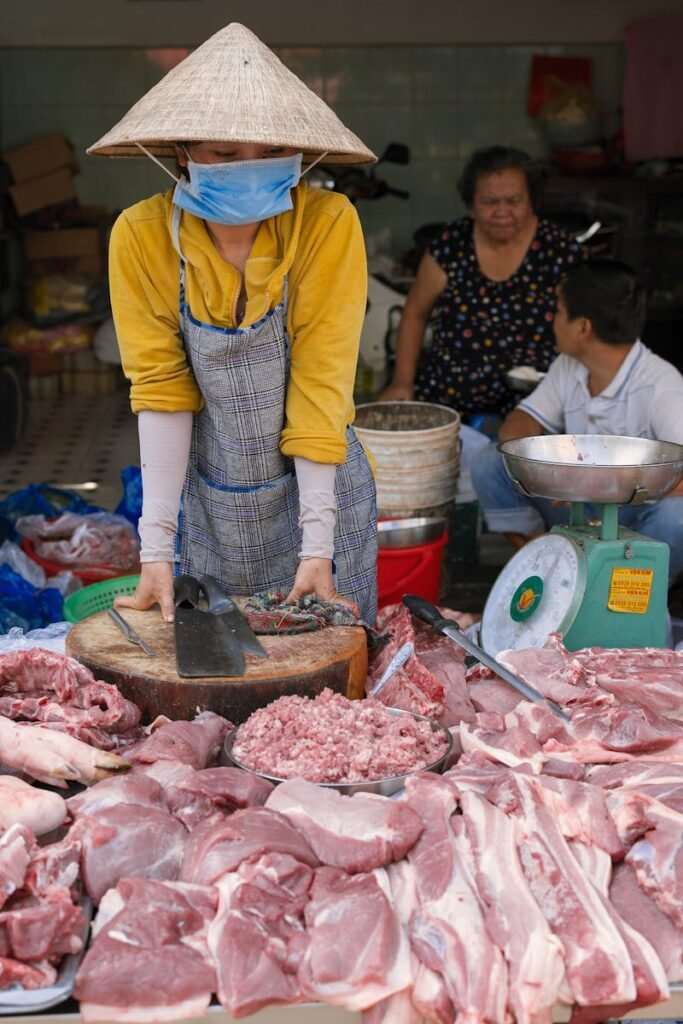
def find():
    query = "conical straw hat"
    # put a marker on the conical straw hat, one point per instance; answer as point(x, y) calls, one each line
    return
point(232, 88)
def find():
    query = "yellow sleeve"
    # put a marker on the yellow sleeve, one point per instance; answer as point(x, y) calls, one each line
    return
point(145, 309)
point(327, 301)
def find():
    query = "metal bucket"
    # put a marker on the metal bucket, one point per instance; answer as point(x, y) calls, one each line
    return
point(416, 446)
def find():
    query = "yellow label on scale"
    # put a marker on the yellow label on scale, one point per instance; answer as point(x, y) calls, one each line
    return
point(629, 590)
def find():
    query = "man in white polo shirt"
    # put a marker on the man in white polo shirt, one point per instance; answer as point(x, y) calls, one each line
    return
point(605, 381)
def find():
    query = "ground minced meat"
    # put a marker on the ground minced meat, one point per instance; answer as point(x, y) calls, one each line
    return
point(332, 739)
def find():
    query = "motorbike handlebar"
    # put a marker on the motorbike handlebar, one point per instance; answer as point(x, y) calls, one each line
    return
point(400, 193)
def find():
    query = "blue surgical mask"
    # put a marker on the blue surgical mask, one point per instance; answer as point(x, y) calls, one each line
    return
point(241, 192)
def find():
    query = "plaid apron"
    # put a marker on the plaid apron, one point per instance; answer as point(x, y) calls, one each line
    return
point(240, 504)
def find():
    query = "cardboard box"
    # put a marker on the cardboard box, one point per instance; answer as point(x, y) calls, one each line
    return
point(39, 158)
point(81, 249)
point(41, 192)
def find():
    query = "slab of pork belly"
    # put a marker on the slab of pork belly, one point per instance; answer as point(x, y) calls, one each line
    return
point(448, 929)
point(533, 953)
point(650, 676)
point(427, 997)
point(648, 971)
point(355, 833)
point(657, 858)
point(639, 910)
point(655, 779)
point(533, 735)
point(597, 960)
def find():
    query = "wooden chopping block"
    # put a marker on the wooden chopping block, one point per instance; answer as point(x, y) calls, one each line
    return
point(304, 664)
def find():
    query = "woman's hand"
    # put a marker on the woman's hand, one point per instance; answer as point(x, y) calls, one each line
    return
point(155, 587)
point(396, 393)
point(314, 576)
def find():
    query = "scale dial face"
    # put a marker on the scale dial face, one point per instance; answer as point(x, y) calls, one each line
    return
point(537, 593)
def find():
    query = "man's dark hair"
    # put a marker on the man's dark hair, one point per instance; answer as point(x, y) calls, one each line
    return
point(610, 295)
point(501, 158)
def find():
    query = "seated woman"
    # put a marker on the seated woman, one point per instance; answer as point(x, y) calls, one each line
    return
point(492, 277)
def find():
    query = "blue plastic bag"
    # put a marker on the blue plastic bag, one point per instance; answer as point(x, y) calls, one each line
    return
point(23, 605)
point(130, 505)
point(43, 500)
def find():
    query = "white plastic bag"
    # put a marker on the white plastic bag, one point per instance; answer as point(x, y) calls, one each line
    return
point(20, 563)
point(52, 637)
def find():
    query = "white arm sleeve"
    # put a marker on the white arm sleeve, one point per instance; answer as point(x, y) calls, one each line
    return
point(317, 507)
point(547, 403)
point(164, 451)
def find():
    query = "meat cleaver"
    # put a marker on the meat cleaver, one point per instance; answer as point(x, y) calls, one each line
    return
point(225, 608)
point(204, 643)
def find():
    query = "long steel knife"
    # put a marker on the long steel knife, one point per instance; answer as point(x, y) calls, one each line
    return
point(430, 614)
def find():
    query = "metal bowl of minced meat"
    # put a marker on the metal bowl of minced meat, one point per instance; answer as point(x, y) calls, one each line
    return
point(385, 786)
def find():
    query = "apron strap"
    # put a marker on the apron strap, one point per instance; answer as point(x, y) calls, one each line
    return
point(175, 230)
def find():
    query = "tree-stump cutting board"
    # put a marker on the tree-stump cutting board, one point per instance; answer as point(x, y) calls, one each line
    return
point(303, 664)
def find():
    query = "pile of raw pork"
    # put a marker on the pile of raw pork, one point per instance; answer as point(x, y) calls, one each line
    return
point(541, 869)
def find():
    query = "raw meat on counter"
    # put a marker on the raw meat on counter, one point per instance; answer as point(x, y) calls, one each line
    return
point(432, 681)
point(37, 685)
point(258, 936)
point(357, 953)
point(648, 676)
point(496, 906)
point(40, 920)
point(196, 743)
point(217, 847)
point(332, 739)
point(149, 960)
point(543, 868)
point(356, 835)
point(127, 839)
point(54, 757)
point(23, 804)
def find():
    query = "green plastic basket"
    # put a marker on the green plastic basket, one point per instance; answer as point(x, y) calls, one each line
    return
point(97, 597)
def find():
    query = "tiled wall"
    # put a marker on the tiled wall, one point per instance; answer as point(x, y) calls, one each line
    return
point(443, 102)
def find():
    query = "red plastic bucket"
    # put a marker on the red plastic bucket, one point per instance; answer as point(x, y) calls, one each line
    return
point(414, 570)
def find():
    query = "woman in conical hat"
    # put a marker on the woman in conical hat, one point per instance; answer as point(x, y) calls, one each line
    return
point(238, 298)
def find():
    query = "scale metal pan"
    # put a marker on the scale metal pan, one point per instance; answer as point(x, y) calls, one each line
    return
point(592, 467)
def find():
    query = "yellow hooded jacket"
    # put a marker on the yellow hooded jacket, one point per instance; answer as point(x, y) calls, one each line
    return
point(318, 245)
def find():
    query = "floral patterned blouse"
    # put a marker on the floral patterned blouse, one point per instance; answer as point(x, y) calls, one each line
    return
point(482, 328)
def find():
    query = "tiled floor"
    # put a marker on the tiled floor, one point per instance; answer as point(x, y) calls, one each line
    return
point(74, 441)
point(83, 443)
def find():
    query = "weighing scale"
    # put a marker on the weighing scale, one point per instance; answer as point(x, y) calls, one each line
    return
point(594, 582)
